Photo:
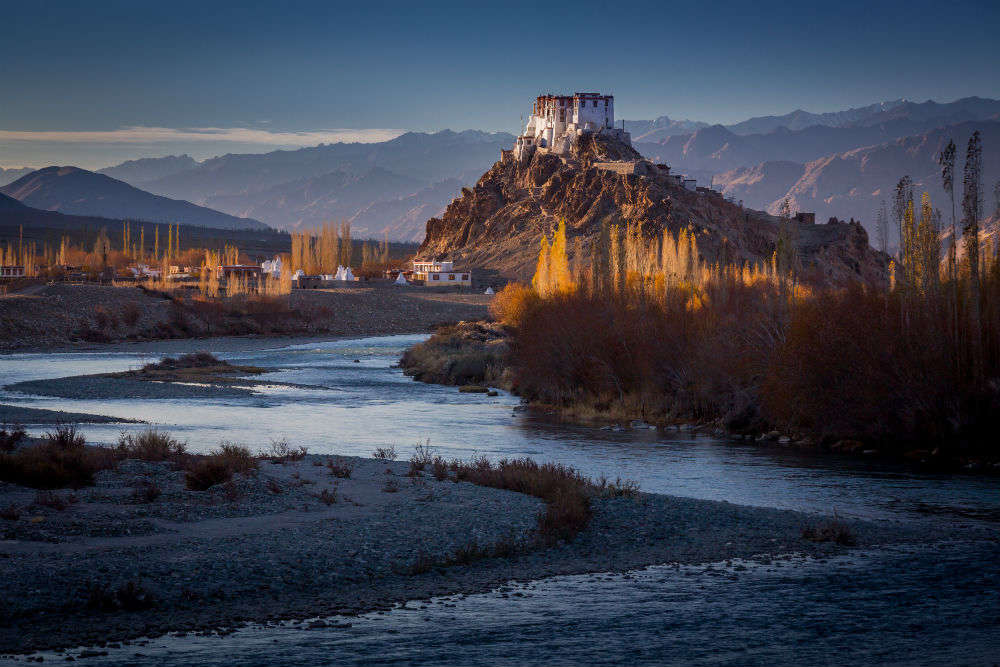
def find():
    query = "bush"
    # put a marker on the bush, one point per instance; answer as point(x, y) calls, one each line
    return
point(385, 453)
point(340, 467)
point(10, 513)
point(10, 436)
point(328, 496)
point(219, 466)
point(281, 452)
point(205, 473)
point(565, 491)
point(150, 445)
point(61, 460)
point(131, 314)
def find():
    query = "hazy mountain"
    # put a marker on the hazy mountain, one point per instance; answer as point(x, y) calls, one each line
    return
point(424, 157)
point(367, 183)
point(407, 216)
point(718, 149)
point(854, 183)
point(657, 130)
point(308, 202)
point(799, 119)
point(9, 203)
point(11, 175)
point(142, 171)
point(81, 192)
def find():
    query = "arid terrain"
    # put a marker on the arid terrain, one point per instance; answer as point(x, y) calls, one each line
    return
point(64, 315)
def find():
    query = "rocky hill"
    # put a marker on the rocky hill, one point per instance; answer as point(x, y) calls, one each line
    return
point(80, 192)
point(9, 203)
point(497, 224)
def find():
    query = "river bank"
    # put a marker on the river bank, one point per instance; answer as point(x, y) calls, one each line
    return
point(66, 316)
point(480, 353)
point(299, 539)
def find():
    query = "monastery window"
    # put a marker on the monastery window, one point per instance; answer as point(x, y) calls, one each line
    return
point(595, 104)
point(451, 276)
point(465, 276)
point(437, 277)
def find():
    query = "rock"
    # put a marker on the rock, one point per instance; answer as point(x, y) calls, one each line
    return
point(847, 446)
point(473, 389)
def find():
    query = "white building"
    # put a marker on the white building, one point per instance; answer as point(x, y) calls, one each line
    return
point(435, 274)
point(556, 121)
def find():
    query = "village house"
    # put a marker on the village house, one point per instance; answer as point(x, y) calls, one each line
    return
point(435, 273)
point(251, 273)
point(8, 271)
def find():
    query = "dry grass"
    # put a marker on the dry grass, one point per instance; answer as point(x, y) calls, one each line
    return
point(10, 436)
point(53, 500)
point(340, 467)
point(219, 466)
point(146, 492)
point(281, 452)
point(10, 513)
point(61, 460)
point(566, 492)
point(150, 445)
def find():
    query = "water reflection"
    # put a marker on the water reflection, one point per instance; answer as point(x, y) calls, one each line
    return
point(346, 397)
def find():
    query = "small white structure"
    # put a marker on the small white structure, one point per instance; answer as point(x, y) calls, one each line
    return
point(271, 267)
point(557, 120)
point(435, 273)
point(401, 279)
point(143, 271)
point(344, 273)
point(489, 291)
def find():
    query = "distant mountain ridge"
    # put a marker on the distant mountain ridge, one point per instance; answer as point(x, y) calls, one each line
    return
point(85, 193)
point(144, 170)
point(364, 183)
point(855, 182)
point(11, 175)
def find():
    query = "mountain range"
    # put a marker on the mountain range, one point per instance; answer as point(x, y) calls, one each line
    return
point(837, 164)
point(85, 193)
point(391, 186)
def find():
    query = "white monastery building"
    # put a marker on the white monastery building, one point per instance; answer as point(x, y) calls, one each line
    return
point(556, 121)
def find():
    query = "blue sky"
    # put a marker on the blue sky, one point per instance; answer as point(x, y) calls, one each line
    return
point(261, 74)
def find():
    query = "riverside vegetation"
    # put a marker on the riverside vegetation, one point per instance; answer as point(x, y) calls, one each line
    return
point(651, 331)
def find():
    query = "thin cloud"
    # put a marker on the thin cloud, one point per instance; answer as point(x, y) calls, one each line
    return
point(152, 135)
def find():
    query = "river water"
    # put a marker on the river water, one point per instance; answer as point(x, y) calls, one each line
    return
point(914, 605)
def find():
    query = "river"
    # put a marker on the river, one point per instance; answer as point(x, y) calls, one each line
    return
point(913, 605)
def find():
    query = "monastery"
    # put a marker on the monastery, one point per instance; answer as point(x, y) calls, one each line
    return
point(556, 121)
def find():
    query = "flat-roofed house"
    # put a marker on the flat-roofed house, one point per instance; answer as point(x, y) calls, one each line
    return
point(436, 274)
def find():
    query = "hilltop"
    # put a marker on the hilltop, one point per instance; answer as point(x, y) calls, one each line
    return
point(497, 224)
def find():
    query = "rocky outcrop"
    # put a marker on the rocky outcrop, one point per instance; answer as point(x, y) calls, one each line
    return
point(498, 223)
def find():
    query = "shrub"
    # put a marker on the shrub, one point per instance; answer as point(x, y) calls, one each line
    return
point(340, 467)
point(440, 469)
point(150, 445)
point(328, 496)
point(237, 457)
point(422, 456)
point(10, 436)
point(281, 452)
point(385, 453)
point(205, 473)
point(565, 491)
point(391, 485)
point(273, 486)
point(61, 460)
point(219, 466)
point(513, 303)
point(104, 320)
point(131, 314)
point(10, 513)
